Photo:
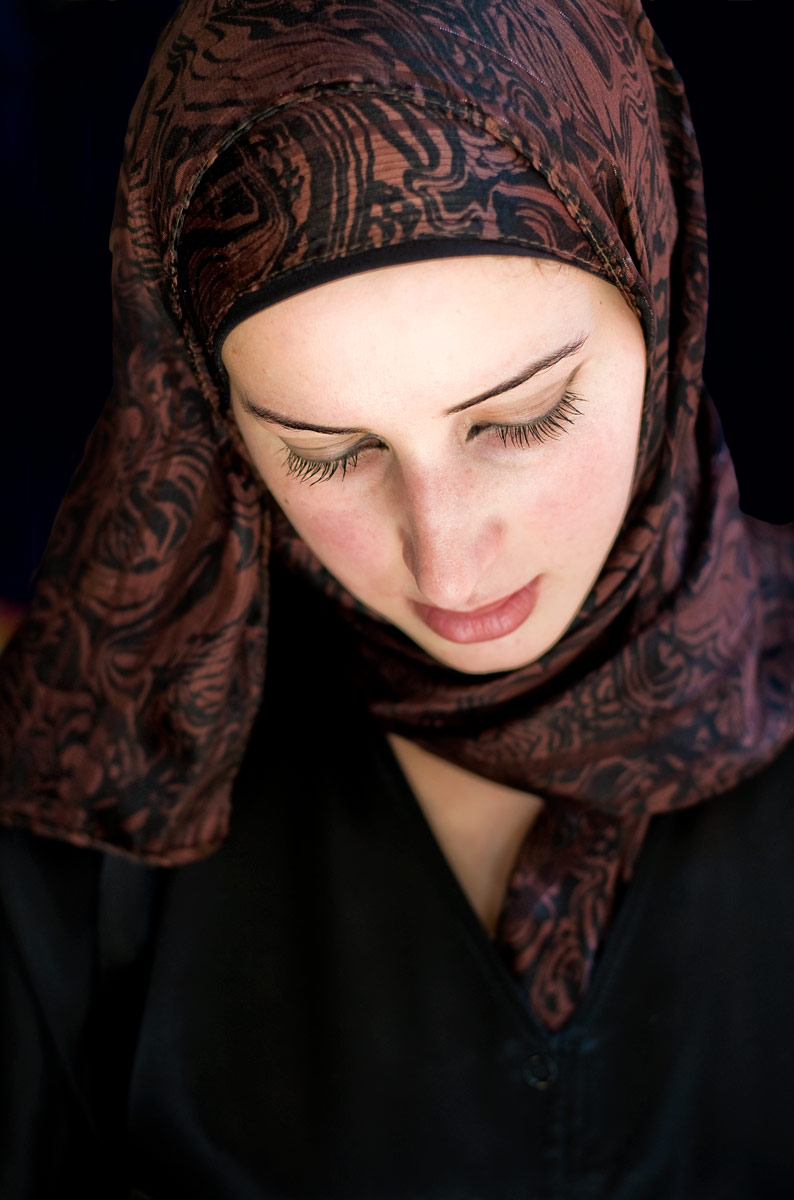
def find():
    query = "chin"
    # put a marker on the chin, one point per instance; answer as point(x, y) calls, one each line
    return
point(480, 658)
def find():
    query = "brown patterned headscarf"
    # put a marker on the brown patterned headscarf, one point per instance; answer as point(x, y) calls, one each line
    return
point(274, 142)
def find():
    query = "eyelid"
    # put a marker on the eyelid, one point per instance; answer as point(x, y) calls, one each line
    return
point(315, 470)
point(545, 397)
point(547, 426)
point(355, 448)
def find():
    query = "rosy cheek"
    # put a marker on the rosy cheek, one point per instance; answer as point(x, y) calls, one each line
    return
point(575, 507)
point(345, 536)
point(594, 482)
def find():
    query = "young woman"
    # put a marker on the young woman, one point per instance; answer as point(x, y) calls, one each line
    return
point(397, 759)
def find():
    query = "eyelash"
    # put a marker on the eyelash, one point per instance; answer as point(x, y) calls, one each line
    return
point(521, 434)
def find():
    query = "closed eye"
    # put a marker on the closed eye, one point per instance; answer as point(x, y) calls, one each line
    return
point(520, 434)
point(551, 425)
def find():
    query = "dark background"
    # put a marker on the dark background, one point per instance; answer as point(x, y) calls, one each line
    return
point(71, 71)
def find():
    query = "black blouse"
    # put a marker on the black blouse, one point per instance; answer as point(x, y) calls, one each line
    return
point(316, 1012)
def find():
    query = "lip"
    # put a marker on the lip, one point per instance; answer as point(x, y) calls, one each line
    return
point(484, 624)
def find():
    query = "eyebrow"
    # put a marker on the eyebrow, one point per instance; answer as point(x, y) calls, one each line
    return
point(507, 385)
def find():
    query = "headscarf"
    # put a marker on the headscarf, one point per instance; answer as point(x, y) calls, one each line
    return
point(129, 691)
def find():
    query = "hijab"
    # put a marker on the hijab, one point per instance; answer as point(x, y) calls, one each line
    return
point(280, 143)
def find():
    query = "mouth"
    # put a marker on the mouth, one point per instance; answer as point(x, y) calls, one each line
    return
point(484, 624)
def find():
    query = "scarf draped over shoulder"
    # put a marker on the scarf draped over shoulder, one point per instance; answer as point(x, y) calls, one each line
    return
point(128, 693)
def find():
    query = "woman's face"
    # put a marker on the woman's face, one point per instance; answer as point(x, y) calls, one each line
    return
point(449, 437)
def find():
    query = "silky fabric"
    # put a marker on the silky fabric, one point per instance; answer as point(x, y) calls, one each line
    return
point(345, 181)
point(129, 692)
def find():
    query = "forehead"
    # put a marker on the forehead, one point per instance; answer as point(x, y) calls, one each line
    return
point(404, 325)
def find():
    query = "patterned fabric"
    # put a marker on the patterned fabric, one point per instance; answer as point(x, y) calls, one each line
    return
point(346, 178)
point(129, 691)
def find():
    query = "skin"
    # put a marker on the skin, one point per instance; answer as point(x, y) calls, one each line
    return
point(440, 510)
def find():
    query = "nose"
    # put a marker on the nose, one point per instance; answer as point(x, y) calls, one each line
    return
point(450, 540)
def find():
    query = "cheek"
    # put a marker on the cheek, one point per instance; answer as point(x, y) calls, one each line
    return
point(338, 528)
point(344, 533)
point(576, 510)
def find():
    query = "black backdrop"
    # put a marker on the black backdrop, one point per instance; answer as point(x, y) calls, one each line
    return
point(71, 70)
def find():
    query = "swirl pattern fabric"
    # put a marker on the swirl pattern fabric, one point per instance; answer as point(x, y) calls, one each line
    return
point(128, 693)
point(332, 179)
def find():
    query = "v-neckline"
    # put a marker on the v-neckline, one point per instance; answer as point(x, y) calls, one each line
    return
point(483, 945)
point(479, 824)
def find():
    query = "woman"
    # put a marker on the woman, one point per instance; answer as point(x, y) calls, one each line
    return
point(410, 307)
